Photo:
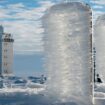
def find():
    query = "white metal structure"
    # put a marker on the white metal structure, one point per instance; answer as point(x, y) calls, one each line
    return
point(7, 54)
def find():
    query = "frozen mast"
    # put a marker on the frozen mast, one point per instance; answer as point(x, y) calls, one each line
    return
point(6, 54)
point(68, 37)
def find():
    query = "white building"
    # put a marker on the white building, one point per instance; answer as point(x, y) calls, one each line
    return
point(7, 54)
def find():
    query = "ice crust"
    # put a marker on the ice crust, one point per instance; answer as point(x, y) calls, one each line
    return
point(67, 29)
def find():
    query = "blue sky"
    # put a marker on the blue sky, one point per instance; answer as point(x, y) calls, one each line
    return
point(22, 18)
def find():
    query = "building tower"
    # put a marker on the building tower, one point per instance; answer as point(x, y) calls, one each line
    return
point(1, 34)
point(7, 54)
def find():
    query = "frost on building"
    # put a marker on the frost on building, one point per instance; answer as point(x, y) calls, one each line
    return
point(6, 54)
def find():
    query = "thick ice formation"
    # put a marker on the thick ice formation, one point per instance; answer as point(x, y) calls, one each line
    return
point(99, 34)
point(68, 52)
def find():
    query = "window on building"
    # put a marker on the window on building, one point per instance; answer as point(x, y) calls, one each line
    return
point(6, 71)
point(5, 64)
point(5, 50)
point(5, 56)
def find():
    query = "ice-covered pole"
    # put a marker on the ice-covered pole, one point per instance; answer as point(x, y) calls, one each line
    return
point(68, 52)
point(99, 34)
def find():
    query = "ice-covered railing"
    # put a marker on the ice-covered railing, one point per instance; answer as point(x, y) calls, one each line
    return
point(99, 34)
point(68, 52)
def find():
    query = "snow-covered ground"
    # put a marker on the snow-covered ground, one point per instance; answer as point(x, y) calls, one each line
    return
point(31, 93)
point(21, 91)
point(31, 97)
point(99, 94)
point(37, 96)
point(28, 96)
point(21, 96)
point(34, 94)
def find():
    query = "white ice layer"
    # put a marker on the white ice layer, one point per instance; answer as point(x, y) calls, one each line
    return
point(99, 34)
point(68, 52)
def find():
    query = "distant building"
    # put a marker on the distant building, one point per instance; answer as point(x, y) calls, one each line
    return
point(6, 53)
point(1, 34)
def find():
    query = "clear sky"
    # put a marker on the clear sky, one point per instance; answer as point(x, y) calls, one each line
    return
point(22, 18)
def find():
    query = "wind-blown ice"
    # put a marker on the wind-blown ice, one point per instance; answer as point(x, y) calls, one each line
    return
point(68, 52)
point(99, 34)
